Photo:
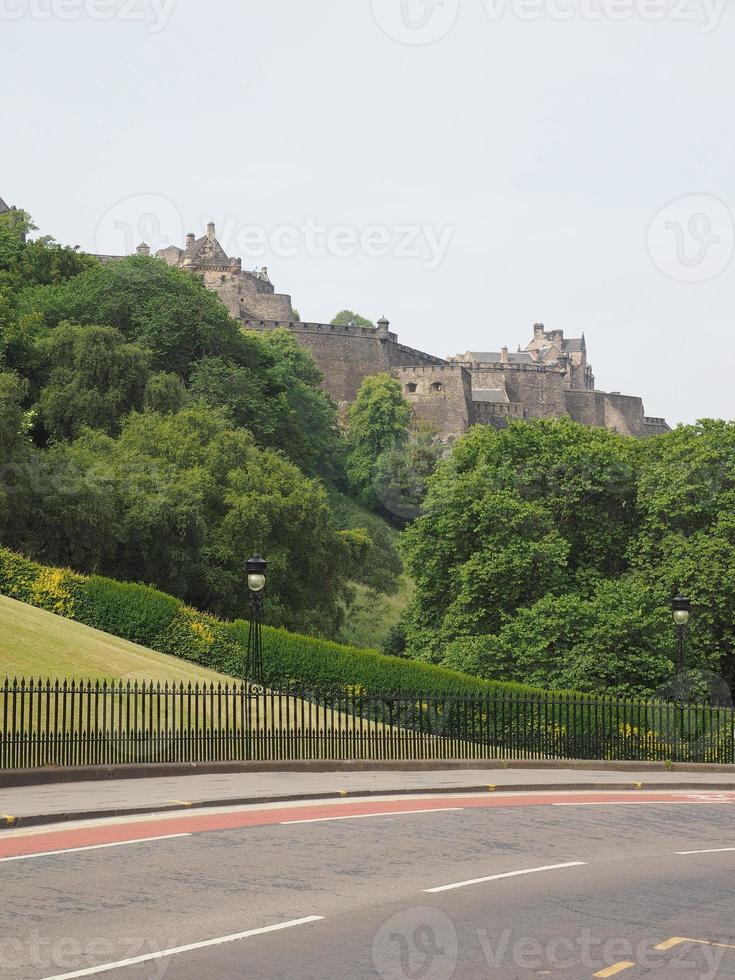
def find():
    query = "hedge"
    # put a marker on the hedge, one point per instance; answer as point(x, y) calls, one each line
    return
point(161, 622)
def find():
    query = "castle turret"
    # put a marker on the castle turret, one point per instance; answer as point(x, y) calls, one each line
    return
point(383, 326)
point(143, 249)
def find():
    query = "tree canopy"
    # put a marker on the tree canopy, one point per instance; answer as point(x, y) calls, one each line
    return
point(347, 318)
point(549, 553)
point(146, 436)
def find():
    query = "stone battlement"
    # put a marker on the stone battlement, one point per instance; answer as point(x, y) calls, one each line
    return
point(549, 378)
point(300, 326)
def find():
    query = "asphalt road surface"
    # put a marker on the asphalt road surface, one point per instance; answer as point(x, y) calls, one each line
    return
point(560, 886)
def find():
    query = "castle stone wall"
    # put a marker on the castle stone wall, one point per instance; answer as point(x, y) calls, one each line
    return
point(246, 296)
point(440, 394)
point(540, 389)
point(497, 414)
point(609, 410)
point(344, 355)
point(347, 355)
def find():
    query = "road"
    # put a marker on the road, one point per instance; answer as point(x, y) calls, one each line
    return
point(561, 885)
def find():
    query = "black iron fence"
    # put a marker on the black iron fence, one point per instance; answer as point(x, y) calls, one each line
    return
point(66, 723)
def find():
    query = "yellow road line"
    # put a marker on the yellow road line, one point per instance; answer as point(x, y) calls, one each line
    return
point(613, 970)
point(678, 940)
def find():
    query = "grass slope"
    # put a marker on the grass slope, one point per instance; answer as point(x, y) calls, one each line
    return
point(35, 643)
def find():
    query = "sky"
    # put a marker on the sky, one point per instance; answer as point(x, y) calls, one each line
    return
point(463, 167)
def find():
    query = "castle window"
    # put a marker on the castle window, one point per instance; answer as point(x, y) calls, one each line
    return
point(437, 386)
point(411, 388)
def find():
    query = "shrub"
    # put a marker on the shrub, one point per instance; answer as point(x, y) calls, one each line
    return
point(144, 615)
point(138, 613)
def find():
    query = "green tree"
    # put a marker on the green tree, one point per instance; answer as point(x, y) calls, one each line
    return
point(165, 392)
point(686, 498)
point(585, 478)
point(378, 422)
point(164, 310)
point(311, 438)
point(15, 226)
point(181, 501)
point(617, 637)
point(94, 379)
point(346, 318)
point(475, 554)
point(402, 472)
point(17, 459)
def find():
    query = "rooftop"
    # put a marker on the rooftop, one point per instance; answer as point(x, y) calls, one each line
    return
point(574, 345)
point(495, 357)
point(493, 395)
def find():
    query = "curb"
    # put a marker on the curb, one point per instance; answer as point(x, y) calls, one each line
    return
point(39, 820)
point(83, 774)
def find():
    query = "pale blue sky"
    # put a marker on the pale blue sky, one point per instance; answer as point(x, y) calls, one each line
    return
point(539, 150)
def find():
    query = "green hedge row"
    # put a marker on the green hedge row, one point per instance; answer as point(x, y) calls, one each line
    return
point(161, 622)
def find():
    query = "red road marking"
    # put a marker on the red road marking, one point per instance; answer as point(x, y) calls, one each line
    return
point(193, 823)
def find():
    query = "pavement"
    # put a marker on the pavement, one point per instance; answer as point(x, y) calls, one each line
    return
point(56, 802)
point(579, 886)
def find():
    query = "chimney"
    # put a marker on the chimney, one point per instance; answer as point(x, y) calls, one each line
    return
point(143, 249)
point(538, 331)
point(503, 355)
point(190, 239)
point(210, 231)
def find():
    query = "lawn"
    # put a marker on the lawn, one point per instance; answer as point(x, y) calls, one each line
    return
point(34, 643)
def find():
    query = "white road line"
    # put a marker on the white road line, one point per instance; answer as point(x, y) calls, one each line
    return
point(712, 850)
point(623, 803)
point(507, 874)
point(92, 847)
point(177, 950)
point(364, 816)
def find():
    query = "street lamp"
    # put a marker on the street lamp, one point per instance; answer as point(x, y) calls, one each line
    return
point(255, 569)
point(682, 609)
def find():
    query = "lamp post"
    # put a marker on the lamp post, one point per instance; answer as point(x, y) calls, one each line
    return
point(682, 609)
point(255, 570)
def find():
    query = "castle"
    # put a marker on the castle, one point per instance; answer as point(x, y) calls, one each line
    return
point(549, 378)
